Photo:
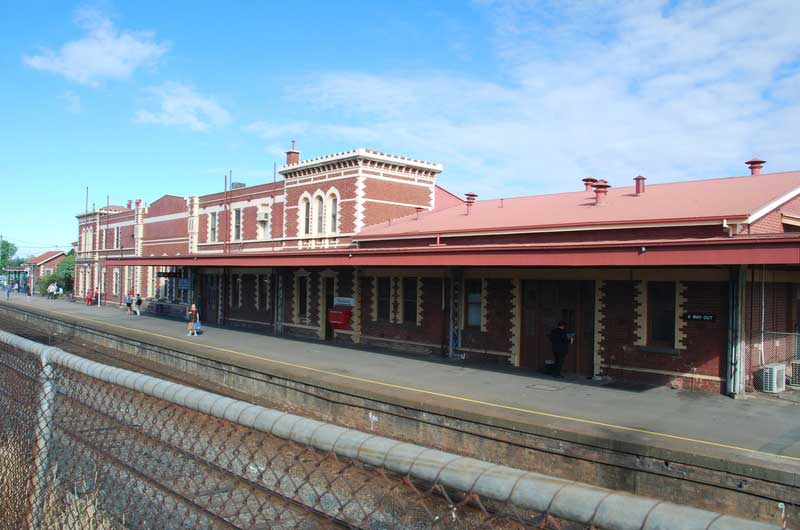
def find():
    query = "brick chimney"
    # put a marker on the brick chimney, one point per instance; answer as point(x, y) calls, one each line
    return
point(130, 203)
point(588, 182)
point(600, 192)
point(755, 165)
point(639, 184)
point(292, 155)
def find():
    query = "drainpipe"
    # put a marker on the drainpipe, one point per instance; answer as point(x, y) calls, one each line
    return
point(736, 307)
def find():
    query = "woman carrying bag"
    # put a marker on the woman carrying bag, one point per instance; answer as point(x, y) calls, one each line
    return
point(194, 321)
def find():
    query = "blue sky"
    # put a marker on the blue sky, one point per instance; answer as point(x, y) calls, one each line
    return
point(139, 99)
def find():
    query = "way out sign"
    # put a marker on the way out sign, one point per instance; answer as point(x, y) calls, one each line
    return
point(700, 317)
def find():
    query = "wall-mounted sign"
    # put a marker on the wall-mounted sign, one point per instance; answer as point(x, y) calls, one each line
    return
point(184, 283)
point(344, 300)
point(700, 317)
point(168, 274)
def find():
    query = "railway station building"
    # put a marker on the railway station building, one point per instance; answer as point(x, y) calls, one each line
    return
point(694, 284)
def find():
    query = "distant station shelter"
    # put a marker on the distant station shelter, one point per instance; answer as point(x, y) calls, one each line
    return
point(693, 284)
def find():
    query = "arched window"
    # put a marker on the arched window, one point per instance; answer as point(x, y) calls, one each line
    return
point(320, 217)
point(306, 217)
point(333, 208)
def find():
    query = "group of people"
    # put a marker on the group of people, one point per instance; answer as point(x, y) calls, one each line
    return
point(134, 304)
point(10, 287)
point(54, 291)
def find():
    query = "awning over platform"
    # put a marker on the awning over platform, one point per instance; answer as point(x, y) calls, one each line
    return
point(740, 250)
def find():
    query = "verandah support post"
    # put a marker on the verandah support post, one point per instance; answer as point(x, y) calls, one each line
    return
point(735, 373)
point(44, 435)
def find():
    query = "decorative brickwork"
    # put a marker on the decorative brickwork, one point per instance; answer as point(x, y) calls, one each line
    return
point(361, 192)
point(420, 305)
point(640, 323)
point(356, 314)
point(599, 311)
point(373, 308)
point(680, 310)
point(516, 319)
point(484, 304)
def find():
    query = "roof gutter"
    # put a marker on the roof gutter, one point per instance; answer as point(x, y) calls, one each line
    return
point(541, 229)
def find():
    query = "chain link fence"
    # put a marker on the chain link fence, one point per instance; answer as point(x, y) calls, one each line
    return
point(88, 446)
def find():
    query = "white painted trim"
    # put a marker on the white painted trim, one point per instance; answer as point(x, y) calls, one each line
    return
point(663, 372)
point(121, 224)
point(168, 217)
point(365, 153)
point(544, 230)
point(761, 212)
point(165, 240)
point(380, 201)
point(427, 184)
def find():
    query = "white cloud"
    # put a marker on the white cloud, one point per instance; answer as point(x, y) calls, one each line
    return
point(105, 52)
point(179, 105)
point(605, 89)
point(72, 101)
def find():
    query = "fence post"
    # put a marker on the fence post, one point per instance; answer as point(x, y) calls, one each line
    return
point(44, 431)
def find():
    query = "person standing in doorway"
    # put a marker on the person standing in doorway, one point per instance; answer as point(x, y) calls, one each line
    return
point(559, 339)
point(194, 318)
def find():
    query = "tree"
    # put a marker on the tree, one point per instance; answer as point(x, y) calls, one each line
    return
point(7, 251)
point(65, 272)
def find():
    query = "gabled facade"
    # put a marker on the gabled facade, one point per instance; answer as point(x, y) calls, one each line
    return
point(659, 283)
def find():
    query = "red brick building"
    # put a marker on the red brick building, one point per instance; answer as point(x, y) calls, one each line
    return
point(691, 283)
point(42, 265)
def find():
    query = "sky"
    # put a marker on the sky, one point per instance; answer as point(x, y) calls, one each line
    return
point(140, 99)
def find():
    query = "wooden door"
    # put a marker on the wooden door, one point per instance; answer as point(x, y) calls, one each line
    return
point(210, 297)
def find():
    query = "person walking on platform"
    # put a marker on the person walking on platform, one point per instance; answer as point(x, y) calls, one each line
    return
point(129, 302)
point(7, 288)
point(137, 305)
point(559, 339)
point(194, 320)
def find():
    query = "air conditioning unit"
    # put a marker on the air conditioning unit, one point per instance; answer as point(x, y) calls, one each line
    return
point(772, 378)
point(794, 379)
point(262, 217)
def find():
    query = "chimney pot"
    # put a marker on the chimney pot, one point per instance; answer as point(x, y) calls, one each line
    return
point(130, 203)
point(292, 155)
point(588, 182)
point(639, 184)
point(755, 165)
point(470, 200)
point(600, 192)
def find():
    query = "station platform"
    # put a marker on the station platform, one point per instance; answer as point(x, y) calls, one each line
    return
point(758, 436)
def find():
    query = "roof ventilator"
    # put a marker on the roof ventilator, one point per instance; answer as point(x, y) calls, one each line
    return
point(755, 165)
point(600, 192)
point(639, 184)
point(470, 200)
point(588, 183)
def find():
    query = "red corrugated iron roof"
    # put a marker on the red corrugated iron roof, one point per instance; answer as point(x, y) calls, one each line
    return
point(732, 198)
point(44, 258)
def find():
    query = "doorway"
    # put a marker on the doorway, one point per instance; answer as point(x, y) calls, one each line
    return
point(329, 296)
point(545, 303)
point(210, 286)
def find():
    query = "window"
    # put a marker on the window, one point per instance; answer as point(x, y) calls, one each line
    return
point(333, 209)
point(117, 238)
point(320, 218)
point(115, 282)
point(237, 224)
point(410, 300)
point(302, 296)
point(306, 217)
point(472, 296)
point(104, 239)
point(212, 227)
point(384, 298)
point(661, 314)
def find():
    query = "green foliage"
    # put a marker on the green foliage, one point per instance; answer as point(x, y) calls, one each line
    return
point(65, 272)
point(7, 251)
